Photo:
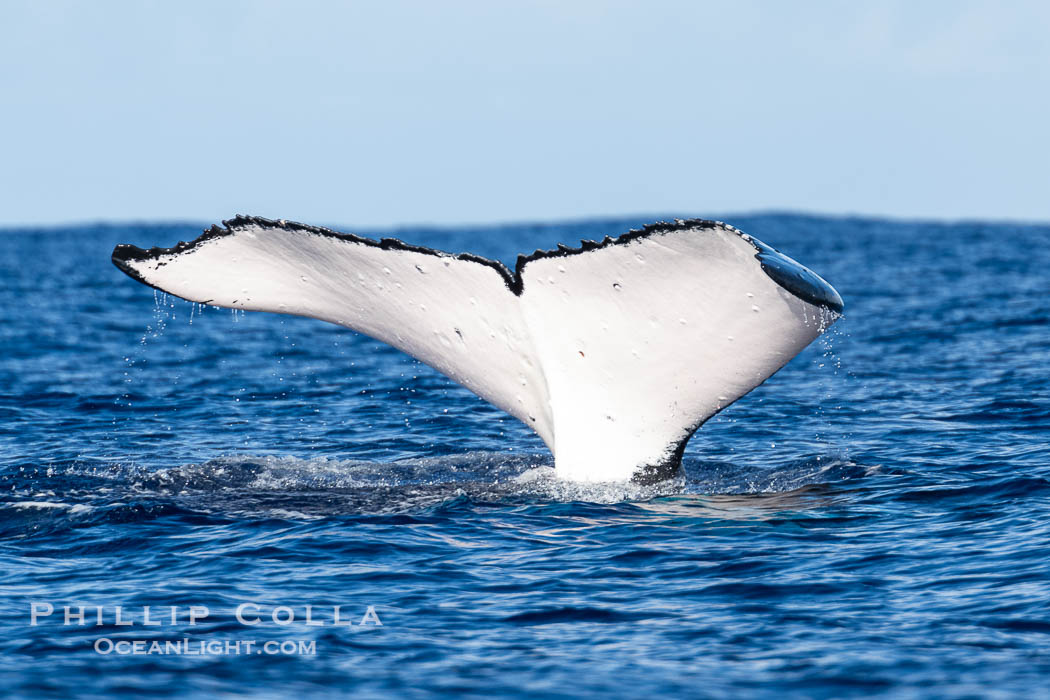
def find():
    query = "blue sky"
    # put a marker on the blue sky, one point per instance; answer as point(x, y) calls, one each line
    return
point(386, 113)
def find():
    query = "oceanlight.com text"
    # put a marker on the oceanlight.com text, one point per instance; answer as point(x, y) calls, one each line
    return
point(202, 647)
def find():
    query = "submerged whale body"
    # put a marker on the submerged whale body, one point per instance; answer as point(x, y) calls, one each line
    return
point(614, 352)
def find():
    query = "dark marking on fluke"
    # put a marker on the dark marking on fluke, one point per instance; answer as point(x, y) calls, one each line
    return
point(797, 279)
point(793, 277)
point(649, 474)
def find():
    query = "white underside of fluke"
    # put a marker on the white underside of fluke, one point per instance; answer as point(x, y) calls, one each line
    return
point(614, 354)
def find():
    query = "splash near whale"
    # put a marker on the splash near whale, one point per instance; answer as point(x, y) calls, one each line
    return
point(615, 352)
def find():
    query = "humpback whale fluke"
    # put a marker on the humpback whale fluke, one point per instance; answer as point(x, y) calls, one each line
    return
point(614, 352)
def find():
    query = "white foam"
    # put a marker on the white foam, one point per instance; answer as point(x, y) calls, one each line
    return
point(38, 504)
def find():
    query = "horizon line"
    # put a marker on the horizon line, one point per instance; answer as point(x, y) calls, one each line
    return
point(424, 225)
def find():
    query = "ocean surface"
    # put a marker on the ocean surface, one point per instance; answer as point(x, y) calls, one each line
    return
point(873, 520)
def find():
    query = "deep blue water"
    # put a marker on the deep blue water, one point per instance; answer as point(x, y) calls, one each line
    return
point(875, 519)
